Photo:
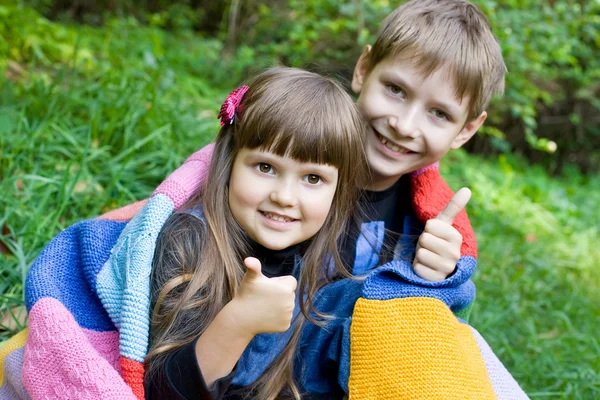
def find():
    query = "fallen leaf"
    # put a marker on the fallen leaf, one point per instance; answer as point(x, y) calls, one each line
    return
point(13, 319)
point(80, 187)
point(6, 232)
point(531, 238)
point(550, 334)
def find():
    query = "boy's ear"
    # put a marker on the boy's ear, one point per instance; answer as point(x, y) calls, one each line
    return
point(468, 131)
point(360, 70)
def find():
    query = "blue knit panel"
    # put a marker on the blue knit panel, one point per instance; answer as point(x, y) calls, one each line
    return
point(397, 279)
point(67, 267)
point(124, 282)
point(322, 357)
point(323, 354)
point(260, 353)
point(368, 246)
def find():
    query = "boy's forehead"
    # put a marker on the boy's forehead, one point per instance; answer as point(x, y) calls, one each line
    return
point(407, 68)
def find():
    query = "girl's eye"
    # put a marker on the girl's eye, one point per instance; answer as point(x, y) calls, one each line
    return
point(313, 179)
point(264, 168)
point(440, 114)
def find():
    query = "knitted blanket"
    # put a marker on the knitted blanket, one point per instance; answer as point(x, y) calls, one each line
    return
point(88, 298)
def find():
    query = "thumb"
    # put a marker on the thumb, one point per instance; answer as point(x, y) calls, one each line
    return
point(253, 268)
point(456, 204)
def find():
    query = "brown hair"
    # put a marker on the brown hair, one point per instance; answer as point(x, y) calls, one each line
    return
point(198, 265)
point(454, 34)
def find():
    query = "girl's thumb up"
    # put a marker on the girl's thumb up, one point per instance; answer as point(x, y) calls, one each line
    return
point(253, 268)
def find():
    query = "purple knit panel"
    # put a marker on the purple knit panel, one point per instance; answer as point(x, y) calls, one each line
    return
point(13, 388)
point(504, 384)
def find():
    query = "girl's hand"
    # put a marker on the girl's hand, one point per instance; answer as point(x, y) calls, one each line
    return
point(264, 304)
point(438, 249)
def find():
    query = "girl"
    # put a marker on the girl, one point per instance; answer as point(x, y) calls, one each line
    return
point(281, 186)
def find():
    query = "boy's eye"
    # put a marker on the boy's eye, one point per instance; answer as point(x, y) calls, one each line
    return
point(395, 89)
point(440, 114)
point(264, 168)
point(313, 179)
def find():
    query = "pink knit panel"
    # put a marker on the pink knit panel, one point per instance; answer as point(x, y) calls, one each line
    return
point(185, 180)
point(124, 213)
point(107, 345)
point(64, 361)
point(435, 165)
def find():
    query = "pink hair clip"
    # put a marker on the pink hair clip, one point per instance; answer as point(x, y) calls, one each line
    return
point(231, 105)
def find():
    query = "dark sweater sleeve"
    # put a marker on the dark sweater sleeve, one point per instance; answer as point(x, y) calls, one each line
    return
point(180, 378)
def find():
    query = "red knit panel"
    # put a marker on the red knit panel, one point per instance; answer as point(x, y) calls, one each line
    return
point(133, 374)
point(431, 194)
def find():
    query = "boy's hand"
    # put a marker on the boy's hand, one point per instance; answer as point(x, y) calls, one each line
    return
point(438, 249)
point(264, 304)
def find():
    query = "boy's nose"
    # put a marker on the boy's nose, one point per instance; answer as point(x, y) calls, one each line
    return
point(406, 125)
point(284, 195)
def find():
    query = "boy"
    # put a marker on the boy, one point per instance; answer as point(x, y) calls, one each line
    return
point(424, 85)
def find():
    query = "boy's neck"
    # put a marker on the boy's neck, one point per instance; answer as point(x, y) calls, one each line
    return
point(381, 183)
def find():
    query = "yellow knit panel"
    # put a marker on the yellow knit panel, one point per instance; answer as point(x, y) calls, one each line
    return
point(413, 348)
point(8, 347)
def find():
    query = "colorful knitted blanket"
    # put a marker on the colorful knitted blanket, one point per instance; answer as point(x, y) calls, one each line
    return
point(88, 298)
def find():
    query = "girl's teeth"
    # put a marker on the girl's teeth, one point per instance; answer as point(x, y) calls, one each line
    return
point(277, 217)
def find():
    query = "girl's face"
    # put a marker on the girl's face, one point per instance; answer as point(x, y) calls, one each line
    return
point(277, 200)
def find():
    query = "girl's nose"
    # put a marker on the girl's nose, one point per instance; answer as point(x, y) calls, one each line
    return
point(284, 195)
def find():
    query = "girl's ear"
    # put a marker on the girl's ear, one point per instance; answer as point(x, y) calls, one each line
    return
point(468, 131)
point(360, 70)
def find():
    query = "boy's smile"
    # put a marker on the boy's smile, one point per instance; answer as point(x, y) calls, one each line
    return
point(415, 120)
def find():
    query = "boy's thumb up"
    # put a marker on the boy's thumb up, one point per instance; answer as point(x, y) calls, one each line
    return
point(455, 206)
point(253, 268)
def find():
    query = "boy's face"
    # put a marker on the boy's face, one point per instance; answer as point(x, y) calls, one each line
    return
point(414, 120)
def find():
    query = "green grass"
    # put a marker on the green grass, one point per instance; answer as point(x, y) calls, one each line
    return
point(538, 279)
point(97, 118)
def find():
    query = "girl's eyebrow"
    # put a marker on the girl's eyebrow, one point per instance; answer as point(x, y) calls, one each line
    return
point(323, 170)
point(306, 166)
point(271, 157)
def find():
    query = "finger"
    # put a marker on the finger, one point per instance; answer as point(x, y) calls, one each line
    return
point(253, 268)
point(288, 281)
point(456, 204)
point(436, 229)
point(427, 273)
point(434, 262)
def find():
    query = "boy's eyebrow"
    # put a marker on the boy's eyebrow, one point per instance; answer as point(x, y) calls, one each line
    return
point(396, 78)
point(451, 109)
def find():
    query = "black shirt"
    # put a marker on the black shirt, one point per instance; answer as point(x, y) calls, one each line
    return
point(180, 377)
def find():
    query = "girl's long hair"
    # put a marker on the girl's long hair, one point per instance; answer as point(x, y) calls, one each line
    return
point(198, 264)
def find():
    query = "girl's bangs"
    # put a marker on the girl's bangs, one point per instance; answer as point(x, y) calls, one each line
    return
point(312, 134)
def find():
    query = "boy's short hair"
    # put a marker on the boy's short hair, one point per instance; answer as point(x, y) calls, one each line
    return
point(453, 33)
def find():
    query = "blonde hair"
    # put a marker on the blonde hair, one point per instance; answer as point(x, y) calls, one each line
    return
point(454, 34)
point(198, 266)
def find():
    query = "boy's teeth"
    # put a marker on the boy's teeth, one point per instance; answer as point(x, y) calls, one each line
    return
point(277, 217)
point(392, 146)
